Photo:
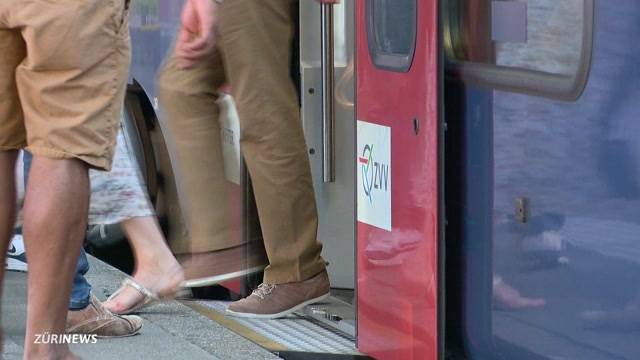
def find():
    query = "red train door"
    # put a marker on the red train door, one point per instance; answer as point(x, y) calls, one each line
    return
point(397, 178)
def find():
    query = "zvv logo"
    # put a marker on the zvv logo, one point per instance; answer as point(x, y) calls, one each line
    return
point(375, 175)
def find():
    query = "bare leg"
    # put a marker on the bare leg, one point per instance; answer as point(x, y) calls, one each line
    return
point(55, 212)
point(156, 267)
point(8, 209)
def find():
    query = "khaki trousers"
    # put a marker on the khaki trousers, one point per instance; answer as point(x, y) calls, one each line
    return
point(253, 55)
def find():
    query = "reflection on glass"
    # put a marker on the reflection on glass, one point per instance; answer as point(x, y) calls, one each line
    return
point(554, 38)
point(566, 281)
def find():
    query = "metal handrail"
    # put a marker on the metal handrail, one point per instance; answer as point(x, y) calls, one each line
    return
point(328, 105)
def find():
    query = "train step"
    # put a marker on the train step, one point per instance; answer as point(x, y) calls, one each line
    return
point(324, 328)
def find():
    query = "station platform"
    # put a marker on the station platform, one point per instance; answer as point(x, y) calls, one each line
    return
point(194, 329)
point(171, 329)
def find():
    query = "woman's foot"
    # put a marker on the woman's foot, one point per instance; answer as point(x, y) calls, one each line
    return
point(157, 275)
point(162, 282)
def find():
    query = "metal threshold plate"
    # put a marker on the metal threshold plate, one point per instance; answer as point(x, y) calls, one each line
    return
point(315, 329)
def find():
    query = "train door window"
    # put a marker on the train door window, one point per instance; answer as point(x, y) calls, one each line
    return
point(392, 33)
point(537, 47)
point(551, 35)
point(550, 204)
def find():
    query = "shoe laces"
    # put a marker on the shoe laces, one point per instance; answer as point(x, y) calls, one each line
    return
point(263, 290)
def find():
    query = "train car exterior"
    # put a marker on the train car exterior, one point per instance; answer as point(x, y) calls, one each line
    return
point(484, 194)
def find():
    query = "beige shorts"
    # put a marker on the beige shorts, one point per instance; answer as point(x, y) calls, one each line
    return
point(63, 72)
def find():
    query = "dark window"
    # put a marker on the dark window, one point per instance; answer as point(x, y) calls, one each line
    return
point(392, 33)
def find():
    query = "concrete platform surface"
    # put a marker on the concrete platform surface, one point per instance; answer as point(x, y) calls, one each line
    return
point(171, 330)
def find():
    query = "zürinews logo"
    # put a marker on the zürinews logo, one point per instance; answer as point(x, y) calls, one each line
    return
point(375, 175)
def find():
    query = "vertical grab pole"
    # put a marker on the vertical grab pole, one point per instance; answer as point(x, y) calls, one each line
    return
point(328, 109)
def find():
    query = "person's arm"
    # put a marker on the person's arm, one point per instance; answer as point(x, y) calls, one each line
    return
point(197, 37)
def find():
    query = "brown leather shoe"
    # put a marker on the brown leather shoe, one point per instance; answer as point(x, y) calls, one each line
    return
point(273, 301)
point(95, 319)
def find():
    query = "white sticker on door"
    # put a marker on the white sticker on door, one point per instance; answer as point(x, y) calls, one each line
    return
point(230, 138)
point(374, 175)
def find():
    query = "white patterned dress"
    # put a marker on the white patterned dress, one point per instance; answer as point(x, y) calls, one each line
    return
point(120, 194)
point(115, 196)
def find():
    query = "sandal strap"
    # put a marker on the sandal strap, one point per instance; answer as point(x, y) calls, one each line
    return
point(148, 296)
point(143, 290)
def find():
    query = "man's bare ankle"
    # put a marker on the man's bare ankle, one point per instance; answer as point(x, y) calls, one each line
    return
point(49, 352)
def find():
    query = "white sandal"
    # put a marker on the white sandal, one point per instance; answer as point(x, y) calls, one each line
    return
point(148, 296)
